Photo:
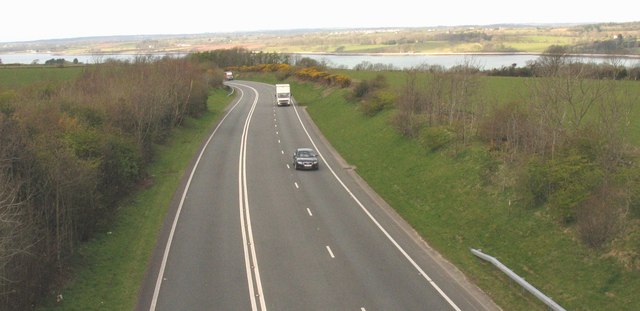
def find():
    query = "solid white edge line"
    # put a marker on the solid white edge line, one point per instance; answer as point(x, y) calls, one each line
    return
point(156, 291)
point(375, 221)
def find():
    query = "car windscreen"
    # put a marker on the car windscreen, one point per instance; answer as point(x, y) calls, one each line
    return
point(305, 154)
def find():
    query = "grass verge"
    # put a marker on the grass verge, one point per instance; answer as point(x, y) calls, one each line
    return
point(444, 197)
point(108, 270)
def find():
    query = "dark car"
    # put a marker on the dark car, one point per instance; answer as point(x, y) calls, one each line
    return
point(305, 158)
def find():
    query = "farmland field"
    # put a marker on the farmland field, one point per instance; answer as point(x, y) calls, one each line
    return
point(12, 77)
point(460, 39)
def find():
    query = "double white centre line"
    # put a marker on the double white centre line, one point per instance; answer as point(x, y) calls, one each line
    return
point(250, 259)
point(167, 249)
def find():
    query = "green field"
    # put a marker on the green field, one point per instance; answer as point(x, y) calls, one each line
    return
point(17, 76)
point(517, 42)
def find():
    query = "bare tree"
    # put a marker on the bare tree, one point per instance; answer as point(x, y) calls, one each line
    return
point(552, 60)
point(409, 106)
point(613, 122)
point(616, 66)
point(601, 217)
point(563, 95)
point(464, 105)
point(16, 238)
point(440, 97)
point(10, 232)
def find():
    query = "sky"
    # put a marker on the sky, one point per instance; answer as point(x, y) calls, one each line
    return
point(28, 20)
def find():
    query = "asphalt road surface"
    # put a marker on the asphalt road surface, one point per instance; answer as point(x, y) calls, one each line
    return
point(248, 232)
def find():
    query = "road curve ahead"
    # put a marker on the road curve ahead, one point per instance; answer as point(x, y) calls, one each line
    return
point(249, 232)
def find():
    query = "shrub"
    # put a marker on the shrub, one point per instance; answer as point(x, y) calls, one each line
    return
point(508, 128)
point(408, 124)
point(214, 77)
point(561, 183)
point(7, 100)
point(122, 165)
point(342, 81)
point(572, 178)
point(313, 74)
point(632, 175)
point(197, 103)
point(599, 217)
point(434, 138)
point(281, 75)
point(376, 103)
point(365, 87)
point(361, 89)
point(533, 185)
point(308, 62)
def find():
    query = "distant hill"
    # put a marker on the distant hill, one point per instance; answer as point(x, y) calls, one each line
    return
point(504, 38)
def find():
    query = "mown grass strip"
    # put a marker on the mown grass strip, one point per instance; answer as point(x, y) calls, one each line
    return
point(108, 270)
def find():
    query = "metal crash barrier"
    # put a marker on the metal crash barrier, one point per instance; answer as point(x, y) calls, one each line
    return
point(548, 301)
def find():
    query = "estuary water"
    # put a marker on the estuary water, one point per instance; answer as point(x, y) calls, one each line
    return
point(406, 61)
point(398, 61)
point(483, 61)
point(41, 58)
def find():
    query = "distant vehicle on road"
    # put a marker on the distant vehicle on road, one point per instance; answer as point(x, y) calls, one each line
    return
point(283, 94)
point(228, 75)
point(305, 158)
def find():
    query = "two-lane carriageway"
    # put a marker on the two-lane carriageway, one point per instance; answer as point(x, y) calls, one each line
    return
point(248, 232)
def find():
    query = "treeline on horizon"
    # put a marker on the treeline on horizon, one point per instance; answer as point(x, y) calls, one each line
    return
point(71, 151)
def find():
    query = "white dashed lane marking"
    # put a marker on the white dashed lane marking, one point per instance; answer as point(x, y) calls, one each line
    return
point(330, 252)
